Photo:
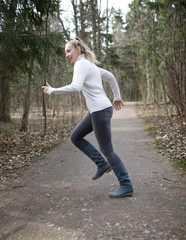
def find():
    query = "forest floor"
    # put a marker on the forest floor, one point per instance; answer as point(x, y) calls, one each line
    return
point(169, 133)
point(55, 197)
point(20, 149)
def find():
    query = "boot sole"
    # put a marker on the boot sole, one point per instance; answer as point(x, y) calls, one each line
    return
point(108, 170)
point(124, 195)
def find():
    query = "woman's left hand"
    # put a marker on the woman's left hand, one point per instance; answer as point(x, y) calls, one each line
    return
point(118, 105)
point(45, 88)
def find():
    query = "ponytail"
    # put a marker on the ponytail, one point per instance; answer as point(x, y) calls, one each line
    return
point(85, 50)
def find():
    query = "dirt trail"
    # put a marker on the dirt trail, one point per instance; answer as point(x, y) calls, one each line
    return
point(56, 199)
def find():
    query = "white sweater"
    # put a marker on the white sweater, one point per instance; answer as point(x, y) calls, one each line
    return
point(87, 77)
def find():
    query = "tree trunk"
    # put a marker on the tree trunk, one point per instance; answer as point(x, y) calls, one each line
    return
point(107, 35)
point(24, 125)
point(7, 68)
point(99, 35)
point(74, 5)
point(82, 20)
point(4, 99)
point(45, 76)
point(94, 24)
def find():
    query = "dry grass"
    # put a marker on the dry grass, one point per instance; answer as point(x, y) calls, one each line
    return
point(169, 133)
point(19, 149)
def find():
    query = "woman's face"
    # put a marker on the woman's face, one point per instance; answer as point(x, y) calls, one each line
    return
point(72, 53)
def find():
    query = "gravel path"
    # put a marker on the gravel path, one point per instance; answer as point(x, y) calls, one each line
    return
point(56, 199)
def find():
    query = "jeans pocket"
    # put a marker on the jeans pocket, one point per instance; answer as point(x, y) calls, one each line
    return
point(108, 112)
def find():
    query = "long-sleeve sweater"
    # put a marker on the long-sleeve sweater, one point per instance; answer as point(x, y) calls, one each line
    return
point(87, 77)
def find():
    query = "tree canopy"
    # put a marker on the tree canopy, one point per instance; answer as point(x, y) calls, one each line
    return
point(146, 51)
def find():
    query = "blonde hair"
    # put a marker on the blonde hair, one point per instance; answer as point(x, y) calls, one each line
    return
point(85, 50)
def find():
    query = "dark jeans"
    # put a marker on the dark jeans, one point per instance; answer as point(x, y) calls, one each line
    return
point(100, 123)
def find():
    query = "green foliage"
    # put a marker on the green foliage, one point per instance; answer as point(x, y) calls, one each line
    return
point(156, 35)
point(113, 57)
point(117, 17)
point(26, 35)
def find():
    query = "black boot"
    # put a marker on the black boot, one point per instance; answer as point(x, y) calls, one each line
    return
point(96, 157)
point(125, 188)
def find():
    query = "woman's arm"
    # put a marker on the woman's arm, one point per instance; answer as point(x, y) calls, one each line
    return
point(79, 76)
point(111, 80)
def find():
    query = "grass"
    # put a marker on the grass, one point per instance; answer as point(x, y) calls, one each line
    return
point(48, 148)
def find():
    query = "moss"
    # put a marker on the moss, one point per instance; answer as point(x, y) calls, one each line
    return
point(46, 149)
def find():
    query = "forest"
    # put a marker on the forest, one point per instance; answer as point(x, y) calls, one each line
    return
point(146, 52)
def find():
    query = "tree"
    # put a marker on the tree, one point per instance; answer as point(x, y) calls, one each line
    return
point(94, 10)
point(24, 124)
point(20, 41)
point(74, 4)
point(157, 39)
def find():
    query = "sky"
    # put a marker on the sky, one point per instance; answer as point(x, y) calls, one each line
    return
point(123, 4)
point(68, 13)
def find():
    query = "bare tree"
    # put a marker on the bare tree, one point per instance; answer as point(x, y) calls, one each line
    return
point(75, 9)
point(94, 23)
point(82, 20)
point(24, 124)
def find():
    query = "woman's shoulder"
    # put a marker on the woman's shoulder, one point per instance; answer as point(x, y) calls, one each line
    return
point(83, 62)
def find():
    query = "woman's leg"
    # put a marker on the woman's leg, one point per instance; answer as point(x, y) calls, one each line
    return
point(101, 122)
point(77, 138)
point(80, 131)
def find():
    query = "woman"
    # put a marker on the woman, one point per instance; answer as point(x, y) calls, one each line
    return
point(87, 77)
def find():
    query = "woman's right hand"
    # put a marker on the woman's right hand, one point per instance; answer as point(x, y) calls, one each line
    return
point(118, 105)
point(45, 88)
